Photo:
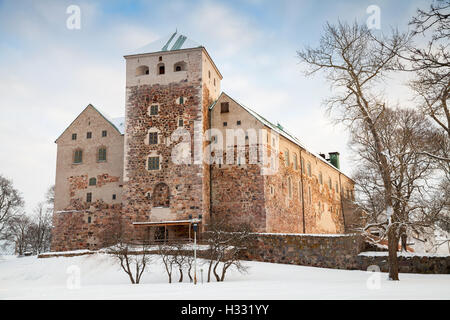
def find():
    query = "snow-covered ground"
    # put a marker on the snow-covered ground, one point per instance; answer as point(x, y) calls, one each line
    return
point(101, 278)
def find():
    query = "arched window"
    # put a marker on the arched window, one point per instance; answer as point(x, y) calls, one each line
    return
point(78, 156)
point(161, 195)
point(179, 66)
point(142, 70)
point(102, 154)
point(92, 181)
point(161, 69)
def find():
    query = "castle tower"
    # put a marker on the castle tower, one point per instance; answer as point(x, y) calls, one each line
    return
point(170, 84)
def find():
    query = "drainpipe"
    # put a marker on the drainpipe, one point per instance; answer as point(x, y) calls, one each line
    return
point(303, 198)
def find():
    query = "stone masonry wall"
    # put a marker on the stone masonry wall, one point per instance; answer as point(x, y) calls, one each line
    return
point(73, 230)
point(337, 252)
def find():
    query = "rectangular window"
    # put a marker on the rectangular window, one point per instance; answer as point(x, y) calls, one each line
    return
point(286, 157)
point(309, 195)
point(180, 123)
point(74, 136)
point(309, 169)
point(153, 163)
point(153, 138)
point(225, 124)
point(295, 162)
point(320, 178)
point(89, 197)
point(154, 110)
point(114, 197)
point(102, 154)
point(300, 190)
point(89, 220)
point(104, 133)
point(89, 135)
point(78, 156)
point(238, 122)
point(224, 107)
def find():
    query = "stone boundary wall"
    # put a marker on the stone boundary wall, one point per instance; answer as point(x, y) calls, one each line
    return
point(336, 252)
point(407, 264)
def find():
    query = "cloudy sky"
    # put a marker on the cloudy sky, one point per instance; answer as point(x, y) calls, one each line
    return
point(49, 73)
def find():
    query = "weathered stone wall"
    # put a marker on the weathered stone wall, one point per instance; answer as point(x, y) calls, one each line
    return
point(82, 225)
point(336, 252)
point(407, 264)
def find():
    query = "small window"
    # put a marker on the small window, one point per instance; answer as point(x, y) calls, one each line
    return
point(209, 74)
point(89, 197)
point(295, 162)
point(78, 156)
point(320, 178)
point(89, 135)
point(92, 181)
point(330, 185)
point(154, 110)
point(309, 195)
point(161, 68)
point(74, 136)
point(289, 187)
point(224, 107)
point(180, 122)
point(181, 100)
point(153, 138)
point(102, 154)
point(309, 169)
point(214, 82)
point(178, 68)
point(336, 187)
point(300, 190)
point(89, 219)
point(160, 58)
point(225, 124)
point(286, 158)
point(153, 163)
point(104, 133)
point(238, 122)
point(114, 197)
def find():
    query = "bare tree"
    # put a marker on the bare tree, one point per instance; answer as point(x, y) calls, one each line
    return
point(430, 64)
point(405, 134)
point(165, 252)
point(10, 205)
point(19, 226)
point(355, 63)
point(134, 259)
point(226, 240)
point(39, 232)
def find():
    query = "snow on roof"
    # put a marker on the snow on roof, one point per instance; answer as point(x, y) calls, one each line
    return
point(171, 42)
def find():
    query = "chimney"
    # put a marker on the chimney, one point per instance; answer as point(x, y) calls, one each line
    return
point(334, 159)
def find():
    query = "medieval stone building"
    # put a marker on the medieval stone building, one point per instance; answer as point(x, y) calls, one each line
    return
point(160, 167)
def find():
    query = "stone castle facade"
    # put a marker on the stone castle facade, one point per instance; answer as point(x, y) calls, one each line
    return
point(159, 169)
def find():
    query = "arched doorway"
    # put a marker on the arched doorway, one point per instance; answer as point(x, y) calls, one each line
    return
point(161, 195)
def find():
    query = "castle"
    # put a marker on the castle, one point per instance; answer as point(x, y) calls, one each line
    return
point(162, 166)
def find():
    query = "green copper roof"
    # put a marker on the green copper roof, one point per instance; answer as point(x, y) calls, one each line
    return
point(171, 42)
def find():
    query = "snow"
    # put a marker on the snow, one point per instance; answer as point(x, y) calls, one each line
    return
point(101, 278)
point(402, 254)
point(333, 235)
